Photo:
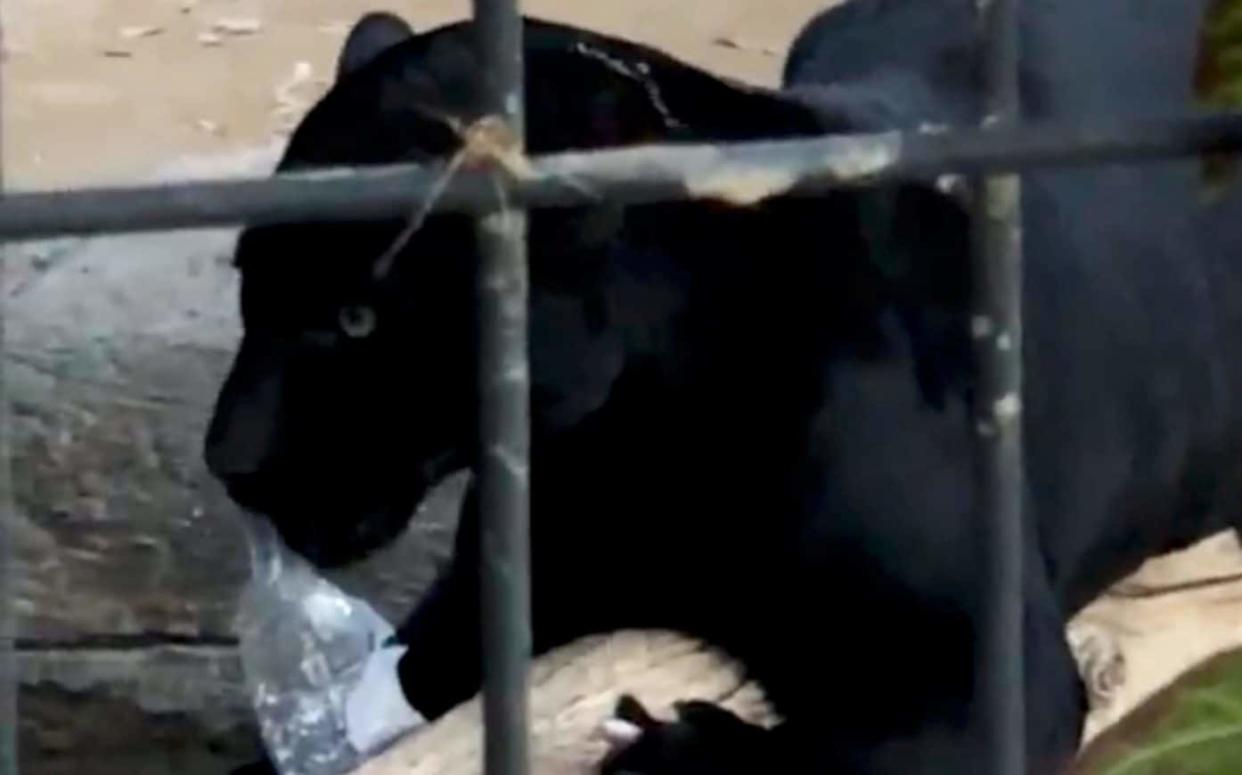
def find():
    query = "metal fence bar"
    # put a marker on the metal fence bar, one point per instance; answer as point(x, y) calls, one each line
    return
point(632, 175)
point(649, 174)
point(997, 329)
point(504, 416)
point(8, 588)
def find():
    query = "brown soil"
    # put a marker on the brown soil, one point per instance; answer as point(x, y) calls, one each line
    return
point(104, 90)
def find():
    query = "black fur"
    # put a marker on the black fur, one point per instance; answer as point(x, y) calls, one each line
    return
point(374, 34)
point(752, 424)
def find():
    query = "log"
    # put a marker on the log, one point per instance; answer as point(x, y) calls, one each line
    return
point(1136, 639)
point(573, 691)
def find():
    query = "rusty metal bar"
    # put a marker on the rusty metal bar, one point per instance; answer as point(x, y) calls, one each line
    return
point(632, 175)
point(504, 416)
point(997, 333)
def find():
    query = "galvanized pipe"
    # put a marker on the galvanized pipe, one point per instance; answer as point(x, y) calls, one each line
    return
point(997, 333)
point(632, 175)
point(504, 416)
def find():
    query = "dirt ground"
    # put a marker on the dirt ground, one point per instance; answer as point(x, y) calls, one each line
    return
point(102, 90)
point(111, 90)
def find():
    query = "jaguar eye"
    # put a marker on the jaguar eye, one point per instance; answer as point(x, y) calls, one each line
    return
point(357, 321)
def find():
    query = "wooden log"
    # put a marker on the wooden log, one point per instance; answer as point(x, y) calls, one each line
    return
point(1127, 648)
point(573, 691)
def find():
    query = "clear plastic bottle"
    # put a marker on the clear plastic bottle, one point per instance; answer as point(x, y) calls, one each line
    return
point(305, 646)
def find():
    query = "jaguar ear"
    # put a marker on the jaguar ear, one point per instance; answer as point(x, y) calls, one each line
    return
point(374, 34)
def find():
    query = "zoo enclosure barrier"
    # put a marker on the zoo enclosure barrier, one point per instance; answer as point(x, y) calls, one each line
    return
point(996, 152)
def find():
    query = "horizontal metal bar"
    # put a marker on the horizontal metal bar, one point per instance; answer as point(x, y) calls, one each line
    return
point(739, 172)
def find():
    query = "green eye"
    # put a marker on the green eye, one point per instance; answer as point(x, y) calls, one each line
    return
point(357, 321)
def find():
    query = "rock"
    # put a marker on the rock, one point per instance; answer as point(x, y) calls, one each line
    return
point(133, 712)
point(115, 349)
point(237, 26)
point(136, 31)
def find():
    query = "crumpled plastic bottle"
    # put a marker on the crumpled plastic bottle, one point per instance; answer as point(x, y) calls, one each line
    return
point(306, 646)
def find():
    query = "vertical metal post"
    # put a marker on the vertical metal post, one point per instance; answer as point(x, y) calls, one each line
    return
point(8, 625)
point(504, 421)
point(997, 330)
